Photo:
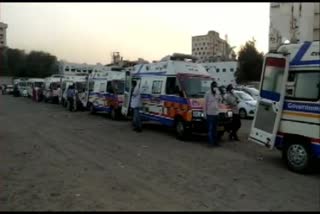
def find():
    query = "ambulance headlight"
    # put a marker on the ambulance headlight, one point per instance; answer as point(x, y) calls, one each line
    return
point(229, 114)
point(197, 114)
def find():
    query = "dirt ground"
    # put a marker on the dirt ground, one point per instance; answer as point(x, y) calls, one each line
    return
point(54, 160)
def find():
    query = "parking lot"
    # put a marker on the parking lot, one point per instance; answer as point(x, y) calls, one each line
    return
point(56, 160)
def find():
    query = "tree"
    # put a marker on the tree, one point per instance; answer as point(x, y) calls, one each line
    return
point(40, 64)
point(250, 63)
point(15, 62)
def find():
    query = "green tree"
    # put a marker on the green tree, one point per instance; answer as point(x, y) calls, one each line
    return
point(15, 62)
point(250, 63)
point(40, 64)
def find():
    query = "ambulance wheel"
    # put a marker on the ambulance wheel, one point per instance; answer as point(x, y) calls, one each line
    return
point(298, 157)
point(181, 132)
point(92, 110)
point(114, 114)
point(220, 135)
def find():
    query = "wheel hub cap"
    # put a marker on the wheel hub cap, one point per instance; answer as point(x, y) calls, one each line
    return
point(297, 155)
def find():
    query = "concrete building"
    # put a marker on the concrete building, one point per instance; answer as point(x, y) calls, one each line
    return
point(69, 68)
point(211, 48)
point(222, 72)
point(296, 22)
point(3, 34)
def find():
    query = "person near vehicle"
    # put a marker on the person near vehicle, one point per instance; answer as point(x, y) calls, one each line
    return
point(232, 101)
point(70, 96)
point(34, 95)
point(211, 113)
point(3, 89)
point(135, 105)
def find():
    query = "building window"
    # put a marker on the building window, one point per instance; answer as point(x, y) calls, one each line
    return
point(224, 70)
point(231, 69)
point(73, 70)
point(218, 70)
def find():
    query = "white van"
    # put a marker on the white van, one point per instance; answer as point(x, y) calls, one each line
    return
point(22, 87)
point(172, 93)
point(104, 93)
point(288, 110)
point(51, 88)
point(34, 82)
point(79, 81)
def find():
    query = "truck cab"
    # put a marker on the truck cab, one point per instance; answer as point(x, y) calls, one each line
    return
point(288, 108)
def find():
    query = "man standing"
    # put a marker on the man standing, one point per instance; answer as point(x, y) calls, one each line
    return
point(232, 101)
point(135, 105)
point(211, 113)
point(70, 97)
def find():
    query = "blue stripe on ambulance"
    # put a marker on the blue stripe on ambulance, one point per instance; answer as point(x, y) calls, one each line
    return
point(296, 61)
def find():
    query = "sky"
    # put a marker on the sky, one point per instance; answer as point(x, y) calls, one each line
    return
point(90, 32)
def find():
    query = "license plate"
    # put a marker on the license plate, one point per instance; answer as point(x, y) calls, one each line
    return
point(220, 128)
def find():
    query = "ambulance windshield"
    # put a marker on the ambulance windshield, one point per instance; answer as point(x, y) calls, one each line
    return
point(195, 86)
point(118, 86)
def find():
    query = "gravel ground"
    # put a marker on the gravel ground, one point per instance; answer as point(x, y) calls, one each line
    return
point(54, 160)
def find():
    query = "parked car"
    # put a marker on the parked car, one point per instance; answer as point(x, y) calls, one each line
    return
point(9, 89)
point(247, 104)
point(253, 92)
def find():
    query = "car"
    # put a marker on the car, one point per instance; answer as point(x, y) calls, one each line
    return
point(9, 89)
point(253, 92)
point(247, 104)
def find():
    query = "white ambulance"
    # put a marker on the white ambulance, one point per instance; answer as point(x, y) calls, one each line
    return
point(50, 90)
point(172, 93)
point(79, 81)
point(288, 110)
point(104, 91)
point(34, 82)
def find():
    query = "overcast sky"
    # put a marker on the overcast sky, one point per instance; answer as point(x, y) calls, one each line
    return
point(89, 32)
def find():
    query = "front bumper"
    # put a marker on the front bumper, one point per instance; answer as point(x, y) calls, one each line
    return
point(199, 125)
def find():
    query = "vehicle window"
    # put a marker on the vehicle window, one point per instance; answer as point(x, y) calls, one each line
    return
point(171, 85)
point(91, 85)
point(102, 87)
point(252, 91)
point(195, 87)
point(244, 96)
point(118, 86)
point(109, 87)
point(273, 75)
point(156, 86)
point(307, 85)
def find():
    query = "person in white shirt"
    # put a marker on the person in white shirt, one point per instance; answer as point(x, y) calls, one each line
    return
point(211, 112)
point(136, 105)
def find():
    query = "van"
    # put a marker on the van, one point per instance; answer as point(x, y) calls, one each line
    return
point(172, 93)
point(34, 82)
point(288, 107)
point(104, 92)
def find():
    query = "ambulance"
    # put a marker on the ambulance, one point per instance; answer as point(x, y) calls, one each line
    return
point(50, 90)
point(34, 82)
point(104, 91)
point(79, 81)
point(172, 93)
point(288, 109)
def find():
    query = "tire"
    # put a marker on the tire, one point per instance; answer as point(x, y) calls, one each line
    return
point(114, 114)
point(243, 113)
point(91, 109)
point(181, 132)
point(298, 157)
point(220, 135)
